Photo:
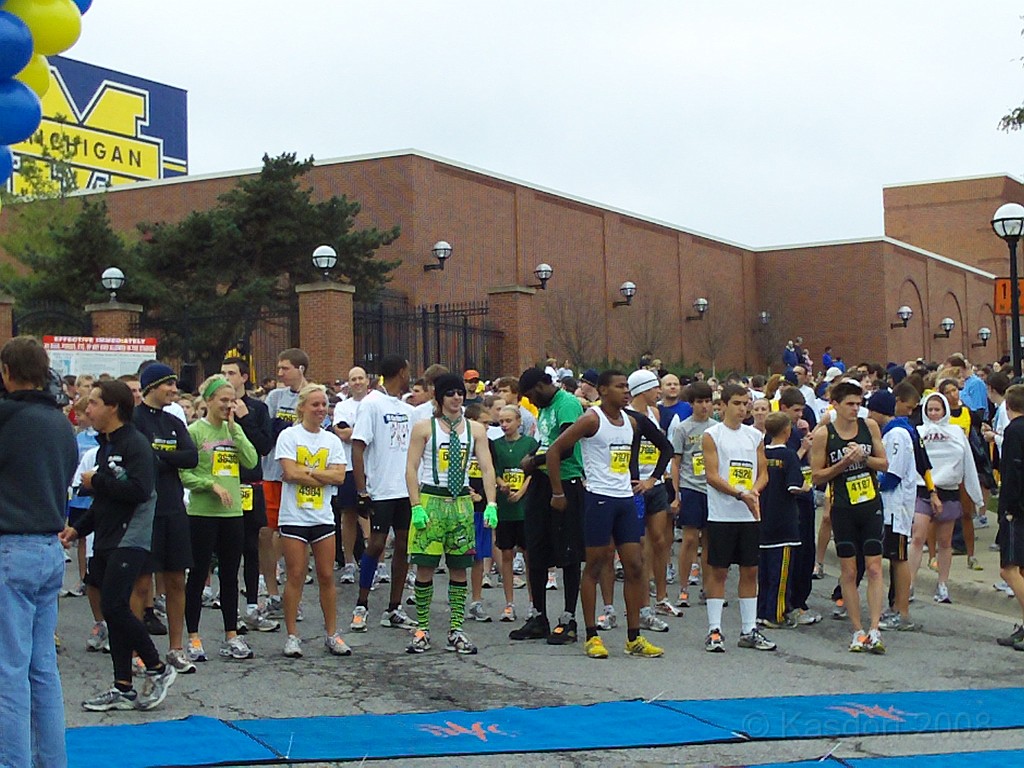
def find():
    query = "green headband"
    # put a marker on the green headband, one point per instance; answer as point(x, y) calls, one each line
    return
point(213, 386)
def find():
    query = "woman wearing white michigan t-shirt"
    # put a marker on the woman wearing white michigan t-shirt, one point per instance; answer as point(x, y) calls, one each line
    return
point(736, 472)
point(312, 463)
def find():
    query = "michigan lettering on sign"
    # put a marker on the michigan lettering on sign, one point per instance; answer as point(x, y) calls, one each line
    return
point(112, 128)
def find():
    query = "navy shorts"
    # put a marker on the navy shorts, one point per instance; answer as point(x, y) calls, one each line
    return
point(484, 537)
point(345, 497)
point(608, 519)
point(693, 509)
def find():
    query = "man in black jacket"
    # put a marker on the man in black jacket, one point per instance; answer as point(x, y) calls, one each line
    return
point(38, 457)
point(254, 419)
point(121, 515)
point(171, 551)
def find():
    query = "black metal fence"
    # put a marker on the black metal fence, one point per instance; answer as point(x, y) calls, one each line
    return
point(455, 335)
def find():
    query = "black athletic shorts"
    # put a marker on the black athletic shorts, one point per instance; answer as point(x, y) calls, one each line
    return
point(1010, 539)
point(895, 545)
point(171, 550)
point(656, 500)
point(390, 513)
point(732, 544)
point(310, 534)
point(554, 539)
point(858, 530)
point(510, 534)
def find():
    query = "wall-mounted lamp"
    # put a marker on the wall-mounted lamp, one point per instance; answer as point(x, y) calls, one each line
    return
point(984, 333)
point(904, 313)
point(947, 325)
point(543, 273)
point(700, 306)
point(442, 251)
point(628, 291)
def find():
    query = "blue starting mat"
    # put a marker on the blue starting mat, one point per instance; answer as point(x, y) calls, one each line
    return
point(861, 714)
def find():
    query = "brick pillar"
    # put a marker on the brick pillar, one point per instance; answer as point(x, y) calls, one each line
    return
point(6, 318)
point(114, 320)
point(514, 310)
point(325, 329)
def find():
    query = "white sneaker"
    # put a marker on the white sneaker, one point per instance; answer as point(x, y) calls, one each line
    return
point(383, 575)
point(336, 645)
point(358, 619)
point(348, 574)
point(942, 594)
point(236, 648)
point(519, 564)
point(552, 581)
point(476, 612)
point(665, 608)
point(293, 647)
point(650, 621)
point(607, 620)
point(396, 619)
point(670, 574)
point(694, 574)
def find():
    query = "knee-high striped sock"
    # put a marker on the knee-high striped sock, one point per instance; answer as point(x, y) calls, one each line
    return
point(457, 591)
point(424, 592)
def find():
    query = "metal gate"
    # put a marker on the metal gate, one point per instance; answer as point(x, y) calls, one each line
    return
point(51, 318)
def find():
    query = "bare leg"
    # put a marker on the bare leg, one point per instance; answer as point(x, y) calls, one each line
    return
point(323, 559)
point(295, 560)
point(597, 560)
point(174, 584)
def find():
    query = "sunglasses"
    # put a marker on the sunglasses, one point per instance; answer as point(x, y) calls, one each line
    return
point(454, 392)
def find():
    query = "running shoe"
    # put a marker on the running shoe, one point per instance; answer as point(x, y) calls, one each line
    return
point(993, 547)
point(804, 617)
point(98, 640)
point(396, 619)
point(160, 605)
point(620, 575)
point(236, 648)
point(358, 619)
point(383, 575)
point(177, 659)
point(293, 647)
point(713, 643)
point(981, 521)
point(519, 564)
point(650, 621)
point(476, 612)
point(694, 578)
point(138, 666)
point(819, 572)
point(608, 620)
point(786, 623)
point(299, 616)
point(942, 594)
point(76, 591)
point(347, 574)
point(564, 632)
point(112, 699)
point(974, 565)
point(309, 578)
point(875, 643)
point(275, 607)
point(154, 689)
point(336, 645)
point(210, 600)
point(839, 610)
point(518, 582)
point(665, 608)
point(1015, 637)
point(684, 599)
point(256, 621)
point(552, 581)
point(652, 588)
point(594, 648)
point(906, 625)
point(420, 642)
point(643, 648)
point(754, 639)
point(535, 628)
point(458, 642)
point(1003, 587)
point(195, 652)
point(153, 624)
point(859, 643)
point(410, 579)
point(670, 574)
point(487, 582)
point(509, 613)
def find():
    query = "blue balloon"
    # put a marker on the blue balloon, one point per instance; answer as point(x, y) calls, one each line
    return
point(20, 111)
point(6, 164)
point(15, 45)
point(83, 5)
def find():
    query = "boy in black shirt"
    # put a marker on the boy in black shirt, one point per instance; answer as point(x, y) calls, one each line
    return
point(779, 529)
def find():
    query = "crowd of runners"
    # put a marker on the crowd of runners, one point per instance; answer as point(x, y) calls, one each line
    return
point(543, 481)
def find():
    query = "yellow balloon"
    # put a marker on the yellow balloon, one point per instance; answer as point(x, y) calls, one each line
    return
point(55, 24)
point(36, 75)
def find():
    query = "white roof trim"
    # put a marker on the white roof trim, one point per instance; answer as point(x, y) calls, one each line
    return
point(953, 179)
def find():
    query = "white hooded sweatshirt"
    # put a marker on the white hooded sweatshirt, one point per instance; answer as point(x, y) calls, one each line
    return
point(949, 452)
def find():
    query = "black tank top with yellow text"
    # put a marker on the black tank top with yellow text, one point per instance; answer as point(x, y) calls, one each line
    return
point(856, 486)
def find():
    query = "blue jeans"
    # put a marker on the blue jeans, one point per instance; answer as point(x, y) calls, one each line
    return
point(31, 699)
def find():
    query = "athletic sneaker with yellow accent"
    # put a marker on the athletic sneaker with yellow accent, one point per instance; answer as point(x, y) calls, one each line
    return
point(859, 643)
point(594, 648)
point(874, 644)
point(642, 648)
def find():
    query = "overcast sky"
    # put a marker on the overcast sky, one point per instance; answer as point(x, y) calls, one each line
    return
point(762, 122)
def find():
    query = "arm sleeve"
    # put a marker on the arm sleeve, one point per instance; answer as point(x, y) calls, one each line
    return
point(186, 456)
point(257, 428)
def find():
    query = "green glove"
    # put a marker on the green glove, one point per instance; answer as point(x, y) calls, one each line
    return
point(491, 515)
point(419, 517)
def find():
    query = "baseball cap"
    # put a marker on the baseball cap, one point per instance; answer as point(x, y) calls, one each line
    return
point(833, 373)
point(590, 376)
point(471, 374)
point(641, 381)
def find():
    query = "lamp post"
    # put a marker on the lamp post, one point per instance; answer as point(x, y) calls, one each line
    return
point(1008, 223)
point(324, 259)
point(442, 251)
point(112, 279)
point(904, 313)
point(543, 273)
point(628, 291)
point(700, 306)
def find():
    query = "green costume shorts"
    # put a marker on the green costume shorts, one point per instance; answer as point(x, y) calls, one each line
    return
point(449, 532)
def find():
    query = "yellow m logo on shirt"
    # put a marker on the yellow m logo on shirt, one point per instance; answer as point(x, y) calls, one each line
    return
point(317, 460)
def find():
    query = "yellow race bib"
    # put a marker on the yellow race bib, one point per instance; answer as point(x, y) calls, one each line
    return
point(311, 497)
point(619, 459)
point(698, 464)
point(474, 469)
point(514, 478)
point(806, 472)
point(225, 462)
point(246, 493)
point(648, 453)
point(741, 475)
point(860, 488)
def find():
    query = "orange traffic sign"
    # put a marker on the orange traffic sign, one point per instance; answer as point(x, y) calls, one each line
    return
point(1001, 306)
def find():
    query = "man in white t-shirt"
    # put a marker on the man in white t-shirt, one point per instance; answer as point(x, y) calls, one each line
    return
point(344, 501)
point(380, 446)
point(736, 471)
